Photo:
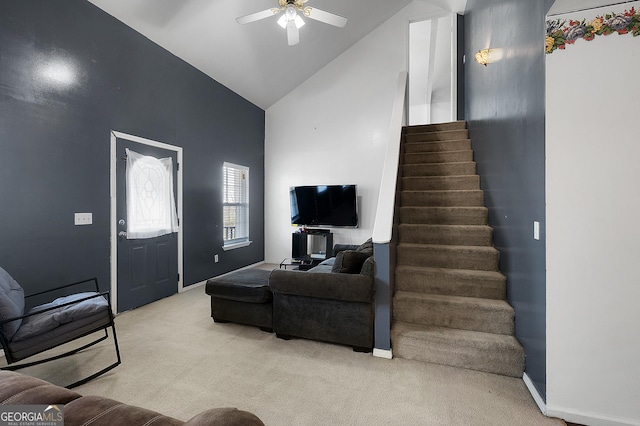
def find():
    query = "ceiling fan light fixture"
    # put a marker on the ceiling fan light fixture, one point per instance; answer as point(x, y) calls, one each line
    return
point(289, 15)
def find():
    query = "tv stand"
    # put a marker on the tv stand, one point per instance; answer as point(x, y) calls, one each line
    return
point(300, 246)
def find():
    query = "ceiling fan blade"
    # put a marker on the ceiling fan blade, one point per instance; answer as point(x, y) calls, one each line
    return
point(257, 16)
point(326, 17)
point(293, 34)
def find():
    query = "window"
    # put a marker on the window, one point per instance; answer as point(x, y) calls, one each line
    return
point(235, 206)
point(151, 207)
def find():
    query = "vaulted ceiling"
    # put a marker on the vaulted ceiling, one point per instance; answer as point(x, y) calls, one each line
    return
point(254, 60)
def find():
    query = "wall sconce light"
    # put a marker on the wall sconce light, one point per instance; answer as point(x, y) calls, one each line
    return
point(482, 57)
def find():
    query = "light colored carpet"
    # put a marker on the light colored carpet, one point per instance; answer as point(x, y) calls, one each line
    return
point(177, 361)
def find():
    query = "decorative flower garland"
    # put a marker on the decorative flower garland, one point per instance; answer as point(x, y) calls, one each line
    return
point(559, 34)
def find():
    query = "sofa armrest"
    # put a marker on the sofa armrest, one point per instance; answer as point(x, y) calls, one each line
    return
point(224, 417)
point(323, 285)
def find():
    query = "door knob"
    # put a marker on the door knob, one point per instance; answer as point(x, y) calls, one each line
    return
point(122, 235)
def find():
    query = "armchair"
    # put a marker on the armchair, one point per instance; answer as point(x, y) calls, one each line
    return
point(49, 325)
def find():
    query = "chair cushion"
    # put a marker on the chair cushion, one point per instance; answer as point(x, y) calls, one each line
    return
point(11, 303)
point(46, 321)
point(62, 334)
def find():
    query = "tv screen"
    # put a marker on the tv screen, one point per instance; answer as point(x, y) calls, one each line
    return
point(324, 205)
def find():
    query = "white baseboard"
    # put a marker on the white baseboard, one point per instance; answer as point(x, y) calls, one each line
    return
point(382, 353)
point(535, 394)
point(586, 418)
point(582, 417)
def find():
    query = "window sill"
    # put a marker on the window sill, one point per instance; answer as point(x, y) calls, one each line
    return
point(233, 246)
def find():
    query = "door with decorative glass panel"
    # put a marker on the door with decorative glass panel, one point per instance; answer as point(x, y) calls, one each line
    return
point(147, 243)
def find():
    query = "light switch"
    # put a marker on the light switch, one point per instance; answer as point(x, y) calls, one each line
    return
point(83, 218)
point(536, 230)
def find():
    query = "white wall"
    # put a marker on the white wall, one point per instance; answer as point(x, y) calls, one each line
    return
point(430, 95)
point(593, 229)
point(333, 129)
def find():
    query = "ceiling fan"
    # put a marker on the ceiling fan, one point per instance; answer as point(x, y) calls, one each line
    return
point(291, 20)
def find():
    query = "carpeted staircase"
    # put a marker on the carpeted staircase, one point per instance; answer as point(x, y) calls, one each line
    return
point(450, 302)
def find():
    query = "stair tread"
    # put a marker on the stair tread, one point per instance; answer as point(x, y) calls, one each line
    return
point(447, 247)
point(439, 164)
point(412, 191)
point(436, 142)
point(437, 177)
point(446, 226)
point(475, 302)
point(437, 152)
point(460, 337)
point(464, 272)
point(452, 125)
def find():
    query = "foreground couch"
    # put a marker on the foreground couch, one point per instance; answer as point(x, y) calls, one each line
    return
point(19, 389)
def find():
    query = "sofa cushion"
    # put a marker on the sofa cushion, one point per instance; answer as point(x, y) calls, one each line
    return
point(368, 267)
point(20, 389)
point(349, 262)
point(100, 411)
point(343, 287)
point(366, 247)
point(249, 285)
point(11, 303)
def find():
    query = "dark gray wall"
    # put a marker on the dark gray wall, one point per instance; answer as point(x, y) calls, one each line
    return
point(505, 109)
point(54, 142)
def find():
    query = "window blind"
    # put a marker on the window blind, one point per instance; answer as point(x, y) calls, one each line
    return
point(235, 203)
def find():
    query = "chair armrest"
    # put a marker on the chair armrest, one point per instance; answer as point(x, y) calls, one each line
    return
point(323, 285)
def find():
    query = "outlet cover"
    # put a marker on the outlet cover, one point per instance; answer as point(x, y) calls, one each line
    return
point(83, 218)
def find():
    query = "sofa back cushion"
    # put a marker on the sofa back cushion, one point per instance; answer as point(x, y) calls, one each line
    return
point(11, 303)
point(349, 262)
point(366, 247)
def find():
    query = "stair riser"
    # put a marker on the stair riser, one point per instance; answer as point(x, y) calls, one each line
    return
point(462, 317)
point(438, 183)
point(447, 236)
point(438, 157)
point(444, 215)
point(443, 257)
point(439, 169)
point(447, 283)
point(487, 360)
point(442, 146)
point(447, 135)
point(442, 198)
point(456, 125)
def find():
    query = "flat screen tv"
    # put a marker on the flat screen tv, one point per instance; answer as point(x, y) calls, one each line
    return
point(324, 205)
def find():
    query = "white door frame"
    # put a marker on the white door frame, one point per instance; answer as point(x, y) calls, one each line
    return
point(114, 219)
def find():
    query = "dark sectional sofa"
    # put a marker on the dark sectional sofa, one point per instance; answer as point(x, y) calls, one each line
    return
point(332, 302)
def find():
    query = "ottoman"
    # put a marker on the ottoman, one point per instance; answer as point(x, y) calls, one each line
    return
point(242, 297)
